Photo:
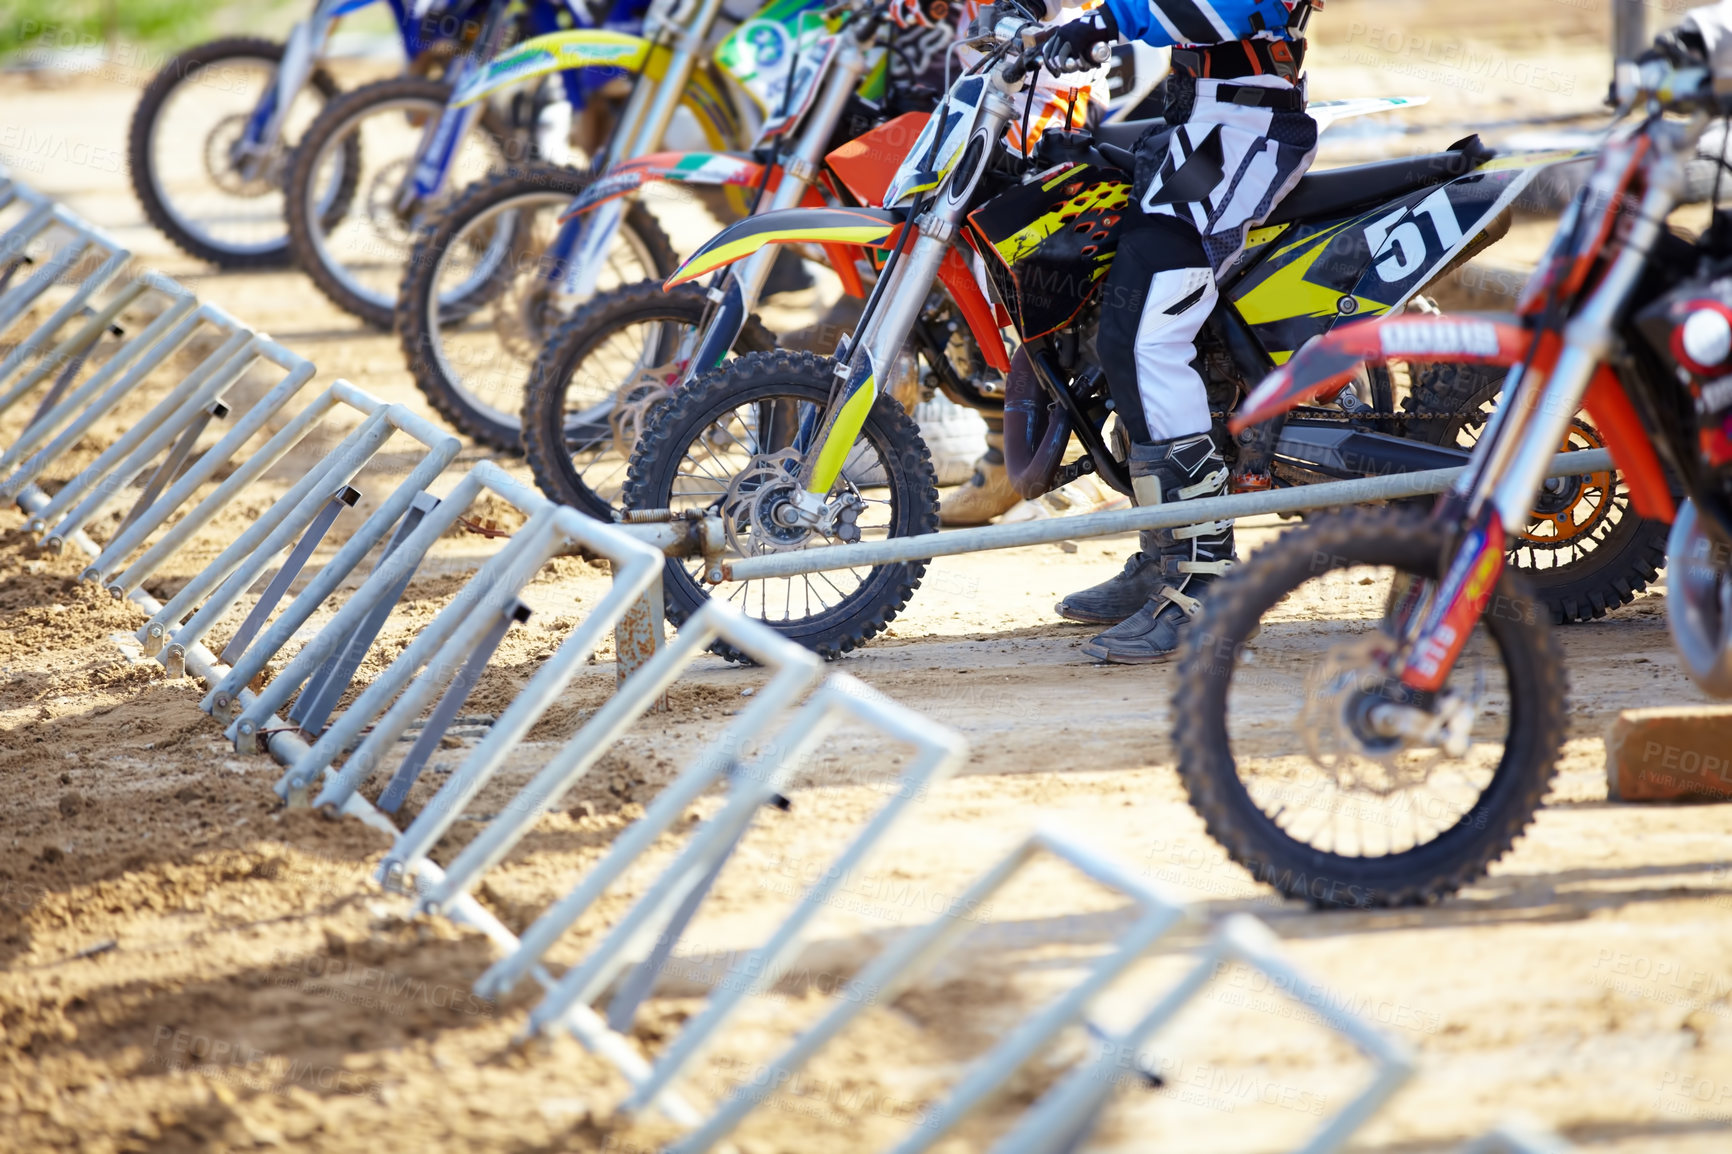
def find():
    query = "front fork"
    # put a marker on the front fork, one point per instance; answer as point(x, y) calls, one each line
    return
point(893, 310)
point(736, 292)
point(582, 243)
point(1494, 499)
point(305, 45)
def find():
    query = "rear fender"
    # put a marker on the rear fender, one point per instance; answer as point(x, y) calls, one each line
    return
point(556, 52)
point(1328, 363)
point(714, 169)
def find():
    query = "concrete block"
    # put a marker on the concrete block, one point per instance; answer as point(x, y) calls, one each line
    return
point(1675, 753)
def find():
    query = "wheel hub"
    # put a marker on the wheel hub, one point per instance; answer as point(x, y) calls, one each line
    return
point(1357, 724)
point(227, 162)
point(1570, 509)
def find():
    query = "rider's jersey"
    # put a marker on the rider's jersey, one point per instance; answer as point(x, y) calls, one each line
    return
point(1202, 23)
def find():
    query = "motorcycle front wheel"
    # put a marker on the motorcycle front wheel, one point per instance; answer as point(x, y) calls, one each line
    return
point(1283, 728)
point(599, 378)
point(356, 258)
point(181, 153)
point(730, 442)
point(480, 296)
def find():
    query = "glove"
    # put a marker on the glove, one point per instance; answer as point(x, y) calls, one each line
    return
point(1072, 47)
point(919, 13)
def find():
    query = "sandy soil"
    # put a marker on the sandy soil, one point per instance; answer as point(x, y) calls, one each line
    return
point(185, 966)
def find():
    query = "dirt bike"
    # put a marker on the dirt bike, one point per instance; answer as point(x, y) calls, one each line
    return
point(417, 144)
point(629, 350)
point(797, 450)
point(212, 182)
point(497, 269)
point(623, 353)
point(1396, 764)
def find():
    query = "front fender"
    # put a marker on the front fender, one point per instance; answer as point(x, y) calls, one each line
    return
point(554, 52)
point(871, 227)
point(1329, 362)
point(719, 169)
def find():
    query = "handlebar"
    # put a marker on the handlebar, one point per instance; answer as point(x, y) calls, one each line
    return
point(1690, 88)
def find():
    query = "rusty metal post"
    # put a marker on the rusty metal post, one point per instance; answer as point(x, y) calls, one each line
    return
point(638, 636)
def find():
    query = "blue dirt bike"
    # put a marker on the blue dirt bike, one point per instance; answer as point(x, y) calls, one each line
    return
point(416, 145)
point(213, 133)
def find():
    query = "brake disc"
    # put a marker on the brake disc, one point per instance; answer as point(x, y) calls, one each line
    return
point(748, 507)
point(633, 401)
point(223, 167)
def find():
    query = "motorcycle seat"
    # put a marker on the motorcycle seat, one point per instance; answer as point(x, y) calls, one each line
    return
point(1340, 191)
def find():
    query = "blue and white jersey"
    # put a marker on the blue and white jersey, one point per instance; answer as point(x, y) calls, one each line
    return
point(1200, 23)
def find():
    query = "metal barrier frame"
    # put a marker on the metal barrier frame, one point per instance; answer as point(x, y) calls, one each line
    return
point(1062, 1117)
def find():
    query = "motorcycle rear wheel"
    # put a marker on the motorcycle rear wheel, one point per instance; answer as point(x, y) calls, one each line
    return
point(699, 450)
point(1256, 804)
point(1588, 550)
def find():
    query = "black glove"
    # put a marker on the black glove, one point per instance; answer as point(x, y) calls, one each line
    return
point(1072, 47)
point(1680, 47)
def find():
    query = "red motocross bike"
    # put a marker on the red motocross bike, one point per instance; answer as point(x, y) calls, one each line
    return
point(1396, 722)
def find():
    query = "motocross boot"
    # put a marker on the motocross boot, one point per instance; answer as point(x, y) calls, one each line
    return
point(987, 493)
point(1179, 562)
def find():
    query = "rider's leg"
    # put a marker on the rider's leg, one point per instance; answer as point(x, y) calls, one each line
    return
point(1157, 295)
point(987, 493)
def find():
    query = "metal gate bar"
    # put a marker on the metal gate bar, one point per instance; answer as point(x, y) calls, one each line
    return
point(937, 753)
point(322, 691)
point(62, 426)
point(84, 240)
point(441, 449)
point(795, 670)
point(291, 567)
point(397, 789)
point(116, 468)
point(1168, 516)
point(75, 349)
point(1070, 1107)
point(442, 646)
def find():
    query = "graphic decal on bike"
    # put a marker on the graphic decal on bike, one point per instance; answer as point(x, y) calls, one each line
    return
point(1054, 241)
point(1326, 272)
point(707, 168)
point(581, 48)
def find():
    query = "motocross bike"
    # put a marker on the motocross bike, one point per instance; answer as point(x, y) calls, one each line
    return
point(781, 444)
point(474, 372)
point(496, 270)
point(622, 353)
point(1392, 754)
point(628, 350)
point(416, 144)
point(238, 104)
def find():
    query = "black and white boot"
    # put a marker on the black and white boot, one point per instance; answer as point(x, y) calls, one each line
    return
point(1179, 563)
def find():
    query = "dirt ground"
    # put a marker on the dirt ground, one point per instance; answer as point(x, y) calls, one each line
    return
point(186, 966)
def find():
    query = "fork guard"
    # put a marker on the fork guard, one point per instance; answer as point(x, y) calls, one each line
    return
point(1325, 365)
point(714, 169)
